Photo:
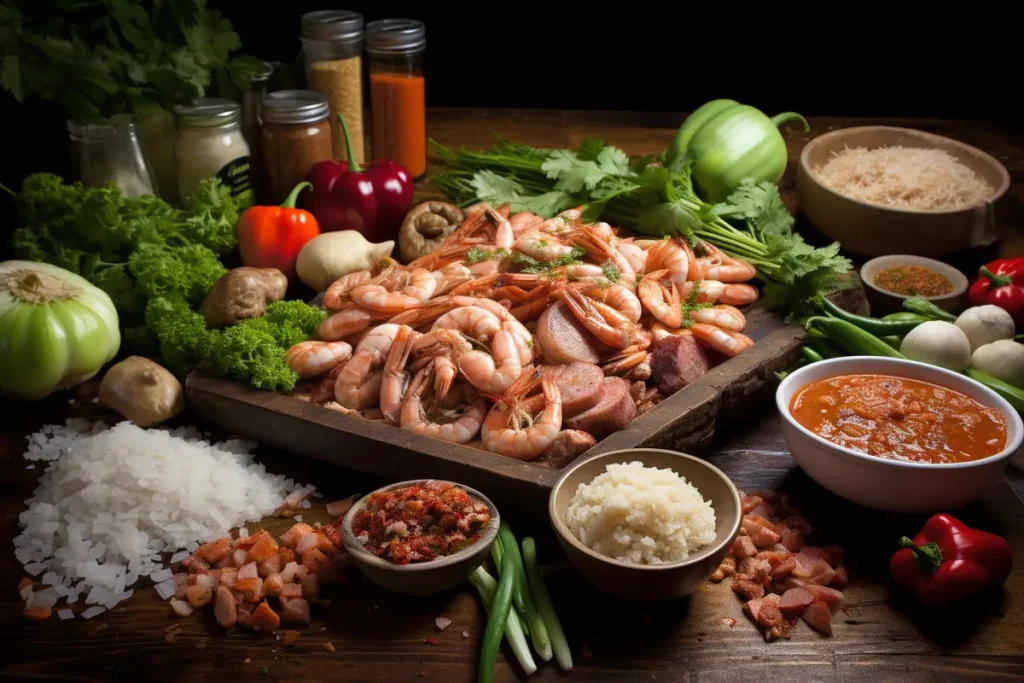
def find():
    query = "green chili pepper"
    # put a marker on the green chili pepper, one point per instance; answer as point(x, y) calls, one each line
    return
point(872, 325)
point(929, 310)
point(893, 340)
point(1013, 395)
point(500, 609)
point(906, 316)
point(810, 354)
point(820, 343)
point(851, 339)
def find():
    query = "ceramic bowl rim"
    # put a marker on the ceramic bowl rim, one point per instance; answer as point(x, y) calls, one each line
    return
point(563, 532)
point(998, 192)
point(958, 279)
point(361, 554)
point(1004, 407)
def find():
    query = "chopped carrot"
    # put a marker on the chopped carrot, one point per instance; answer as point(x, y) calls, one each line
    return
point(313, 559)
point(252, 589)
point(264, 549)
point(287, 555)
point(213, 552)
point(37, 613)
point(25, 583)
point(265, 619)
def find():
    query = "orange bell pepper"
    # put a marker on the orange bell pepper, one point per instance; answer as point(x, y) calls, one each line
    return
point(272, 236)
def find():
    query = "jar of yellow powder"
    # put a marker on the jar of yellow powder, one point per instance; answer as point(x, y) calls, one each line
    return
point(332, 43)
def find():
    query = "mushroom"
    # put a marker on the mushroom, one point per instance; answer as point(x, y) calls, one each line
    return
point(242, 293)
point(142, 391)
point(425, 227)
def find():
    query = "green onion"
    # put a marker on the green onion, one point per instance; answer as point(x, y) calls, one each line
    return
point(487, 586)
point(544, 606)
point(522, 596)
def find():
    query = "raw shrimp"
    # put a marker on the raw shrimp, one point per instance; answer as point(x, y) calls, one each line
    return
point(724, 341)
point(358, 384)
point(510, 428)
point(415, 418)
point(348, 322)
point(541, 246)
point(717, 265)
point(604, 322)
point(675, 256)
point(713, 291)
point(312, 358)
point(724, 316)
point(618, 297)
point(664, 304)
point(395, 379)
point(378, 297)
point(336, 296)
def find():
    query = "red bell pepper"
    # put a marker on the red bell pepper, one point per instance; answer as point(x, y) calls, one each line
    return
point(271, 236)
point(1001, 283)
point(372, 199)
point(949, 561)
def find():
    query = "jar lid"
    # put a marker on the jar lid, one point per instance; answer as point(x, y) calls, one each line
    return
point(264, 74)
point(396, 36)
point(294, 106)
point(333, 25)
point(208, 112)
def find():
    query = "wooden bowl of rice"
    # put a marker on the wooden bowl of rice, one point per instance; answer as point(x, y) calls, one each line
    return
point(625, 528)
point(881, 190)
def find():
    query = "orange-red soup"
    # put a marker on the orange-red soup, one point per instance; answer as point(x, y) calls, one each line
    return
point(899, 419)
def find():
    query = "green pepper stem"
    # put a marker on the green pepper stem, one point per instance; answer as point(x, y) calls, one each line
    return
point(293, 197)
point(995, 280)
point(927, 557)
point(780, 119)
point(353, 164)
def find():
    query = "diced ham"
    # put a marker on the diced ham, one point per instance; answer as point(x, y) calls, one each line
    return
point(295, 611)
point(840, 580)
point(761, 511)
point(580, 385)
point(830, 596)
point(214, 551)
point(818, 617)
point(762, 572)
point(192, 563)
point(743, 547)
point(37, 613)
point(794, 601)
point(784, 569)
point(760, 536)
point(198, 596)
point(310, 587)
point(265, 619)
point(248, 571)
point(251, 588)
point(300, 572)
point(291, 537)
point(792, 540)
point(246, 542)
point(313, 559)
point(226, 561)
point(796, 582)
point(287, 555)
point(306, 543)
point(207, 582)
point(748, 503)
point(229, 577)
point(224, 608)
point(288, 573)
point(291, 590)
point(809, 556)
point(272, 565)
point(238, 558)
point(823, 574)
point(797, 523)
point(746, 587)
point(272, 585)
point(264, 549)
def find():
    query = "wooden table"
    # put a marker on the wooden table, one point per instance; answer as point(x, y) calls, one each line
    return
point(381, 637)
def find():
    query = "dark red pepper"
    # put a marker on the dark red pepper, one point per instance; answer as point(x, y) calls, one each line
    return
point(1001, 283)
point(372, 199)
point(949, 561)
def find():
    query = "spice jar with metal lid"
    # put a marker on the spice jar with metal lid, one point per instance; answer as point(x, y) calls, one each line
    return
point(332, 43)
point(252, 123)
point(210, 144)
point(296, 135)
point(397, 92)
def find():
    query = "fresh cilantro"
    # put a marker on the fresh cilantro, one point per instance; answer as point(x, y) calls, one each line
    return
point(533, 266)
point(477, 255)
point(637, 279)
point(693, 303)
point(611, 272)
point(497, 190)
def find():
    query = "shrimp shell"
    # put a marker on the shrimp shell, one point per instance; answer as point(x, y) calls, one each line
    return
point(378, 297)
point(312, 358)
point(414, 416)
point(501, 432)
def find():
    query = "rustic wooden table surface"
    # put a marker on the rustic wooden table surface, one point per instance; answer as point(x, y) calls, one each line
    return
point(382, 637)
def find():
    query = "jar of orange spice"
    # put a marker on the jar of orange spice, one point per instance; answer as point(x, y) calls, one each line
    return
point(296, 135)
point(397, 94)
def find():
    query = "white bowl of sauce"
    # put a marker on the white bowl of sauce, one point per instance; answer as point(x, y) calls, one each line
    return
point(895, 434)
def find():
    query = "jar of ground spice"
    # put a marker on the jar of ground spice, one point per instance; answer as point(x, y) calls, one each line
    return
point(296, 135)
point(332, 43)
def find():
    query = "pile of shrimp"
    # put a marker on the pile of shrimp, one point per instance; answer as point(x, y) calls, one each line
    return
point(443, 346)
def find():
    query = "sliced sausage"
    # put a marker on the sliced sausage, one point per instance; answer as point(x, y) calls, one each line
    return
point(678, 361)
point(613, 412)
point(568, 445)
point(580, 384)
point(561, 339)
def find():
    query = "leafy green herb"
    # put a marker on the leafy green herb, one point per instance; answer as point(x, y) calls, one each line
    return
point(105, 57)
point(477, 255)
point(611, 272)
point(532, 265)
point(692, 303)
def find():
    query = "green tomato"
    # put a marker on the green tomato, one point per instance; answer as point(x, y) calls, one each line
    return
point(728, 142)
point(56, 329)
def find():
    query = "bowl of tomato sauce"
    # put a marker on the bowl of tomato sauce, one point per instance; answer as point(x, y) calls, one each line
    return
point(895, 434)
point(421, 536)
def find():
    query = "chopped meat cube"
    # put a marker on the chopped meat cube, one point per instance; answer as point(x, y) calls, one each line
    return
point(295, 611)
point(264, 549)
point(840, 580)
point(272, 585)
point(760, 536)
point(743, 547)
point(265, 619)
point(794, 601)
point(291, 590)
point(224, 608)
point(830, 596)
point(818, 617)
point(272, 565)
point(748, 503)
point(291, 537)
point(749, 589)
point(835, 555)
point(783, 569)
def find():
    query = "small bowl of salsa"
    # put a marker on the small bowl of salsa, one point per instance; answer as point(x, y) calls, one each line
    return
point(422, 536)
point(895, 434)
point(888, 280)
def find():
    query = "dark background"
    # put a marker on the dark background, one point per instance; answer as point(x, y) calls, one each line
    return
point(877, 66)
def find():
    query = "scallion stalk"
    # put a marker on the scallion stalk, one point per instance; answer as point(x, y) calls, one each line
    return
point(486, 586)
point(535, 624)
point(547, 610)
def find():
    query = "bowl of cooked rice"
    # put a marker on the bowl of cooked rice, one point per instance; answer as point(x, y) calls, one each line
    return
point(882, 190)
point(645, 524)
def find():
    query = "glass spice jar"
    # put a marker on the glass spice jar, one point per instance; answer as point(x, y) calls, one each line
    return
point(296, 135)
point(252, 124)
point(332, 44)
point(397, 92)
point(210, 144)
point(105, 151)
